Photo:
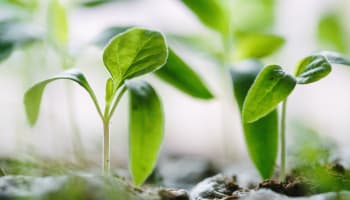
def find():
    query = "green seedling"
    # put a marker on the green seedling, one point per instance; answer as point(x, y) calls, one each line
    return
point(238, 36)
point(128, 55)
point(273, 85)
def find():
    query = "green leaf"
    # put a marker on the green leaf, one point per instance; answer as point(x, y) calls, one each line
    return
point(57, 24)
point(146, 129)
point(331, 33)
point(271, 86)
point(177, 73)
point(210, 44)
point(134, 53)
point(335, 58)
point(105, 36)
point(253, 15)
point(110, 89)
point(211, 13)
point(94, 3)
point(33, 96)
point(261, 136)
point(257, 45)
point(5, 50)
point(312, 69)
point(26, 4)
point(15, 34)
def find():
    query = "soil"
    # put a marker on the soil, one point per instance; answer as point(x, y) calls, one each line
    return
point(294, 187)
point(301, 183)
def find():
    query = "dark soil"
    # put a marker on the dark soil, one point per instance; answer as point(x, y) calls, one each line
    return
point(307, 181)
point(295, 187)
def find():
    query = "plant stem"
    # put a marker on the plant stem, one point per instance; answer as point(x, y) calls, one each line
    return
point(108, 112)
point(116, 102)
point(106, 148)
point(283, 141)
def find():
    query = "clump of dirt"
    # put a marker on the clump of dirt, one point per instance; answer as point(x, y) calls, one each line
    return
point(292, 186)
point(173, 194)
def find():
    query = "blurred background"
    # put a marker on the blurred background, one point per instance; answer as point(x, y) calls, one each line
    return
point(196, 127)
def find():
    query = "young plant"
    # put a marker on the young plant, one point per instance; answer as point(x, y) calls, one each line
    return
point(238, 40)
point(128, 55)
point(273, 85)
point(242, 37)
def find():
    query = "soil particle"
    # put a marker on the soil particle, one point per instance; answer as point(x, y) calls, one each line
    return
point(295, 187)
point(273, 185)
point(338, 168)
point(173, 194)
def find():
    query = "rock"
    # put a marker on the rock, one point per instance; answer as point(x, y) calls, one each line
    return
point(173, 194)
point(216, 187)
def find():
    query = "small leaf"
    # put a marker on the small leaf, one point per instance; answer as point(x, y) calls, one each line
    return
point(177, 73)
point(33, 96)
point(57, 24)
point(262, 135)
point(211, 13)
point(312, 68)
point(257, 45)
point(331, 33)
point(335, 58)
point(134, 53)
point(271, 86)
point(146, 129)
point(110, 89)
point(105, 36)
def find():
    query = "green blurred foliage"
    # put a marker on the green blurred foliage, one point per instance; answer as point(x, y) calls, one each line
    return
point(331, 33)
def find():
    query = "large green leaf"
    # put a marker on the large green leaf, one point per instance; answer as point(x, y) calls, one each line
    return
point(134, 53)
point(33, 96)
point(177, 73)
point(146, 129)
point(312, 68)
point(261, 136)
point(335, 58)
point(57, 24)
point(331, 33)
point(211, 13)
point(257, 45)
point(270, 87)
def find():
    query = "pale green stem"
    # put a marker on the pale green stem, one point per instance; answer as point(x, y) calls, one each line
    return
point(116, 102)
point(283, 141)
point(106, 148)
point(108, 112)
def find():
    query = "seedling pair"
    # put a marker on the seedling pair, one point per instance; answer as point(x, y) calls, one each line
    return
point(131, 54)
point(273, 85)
